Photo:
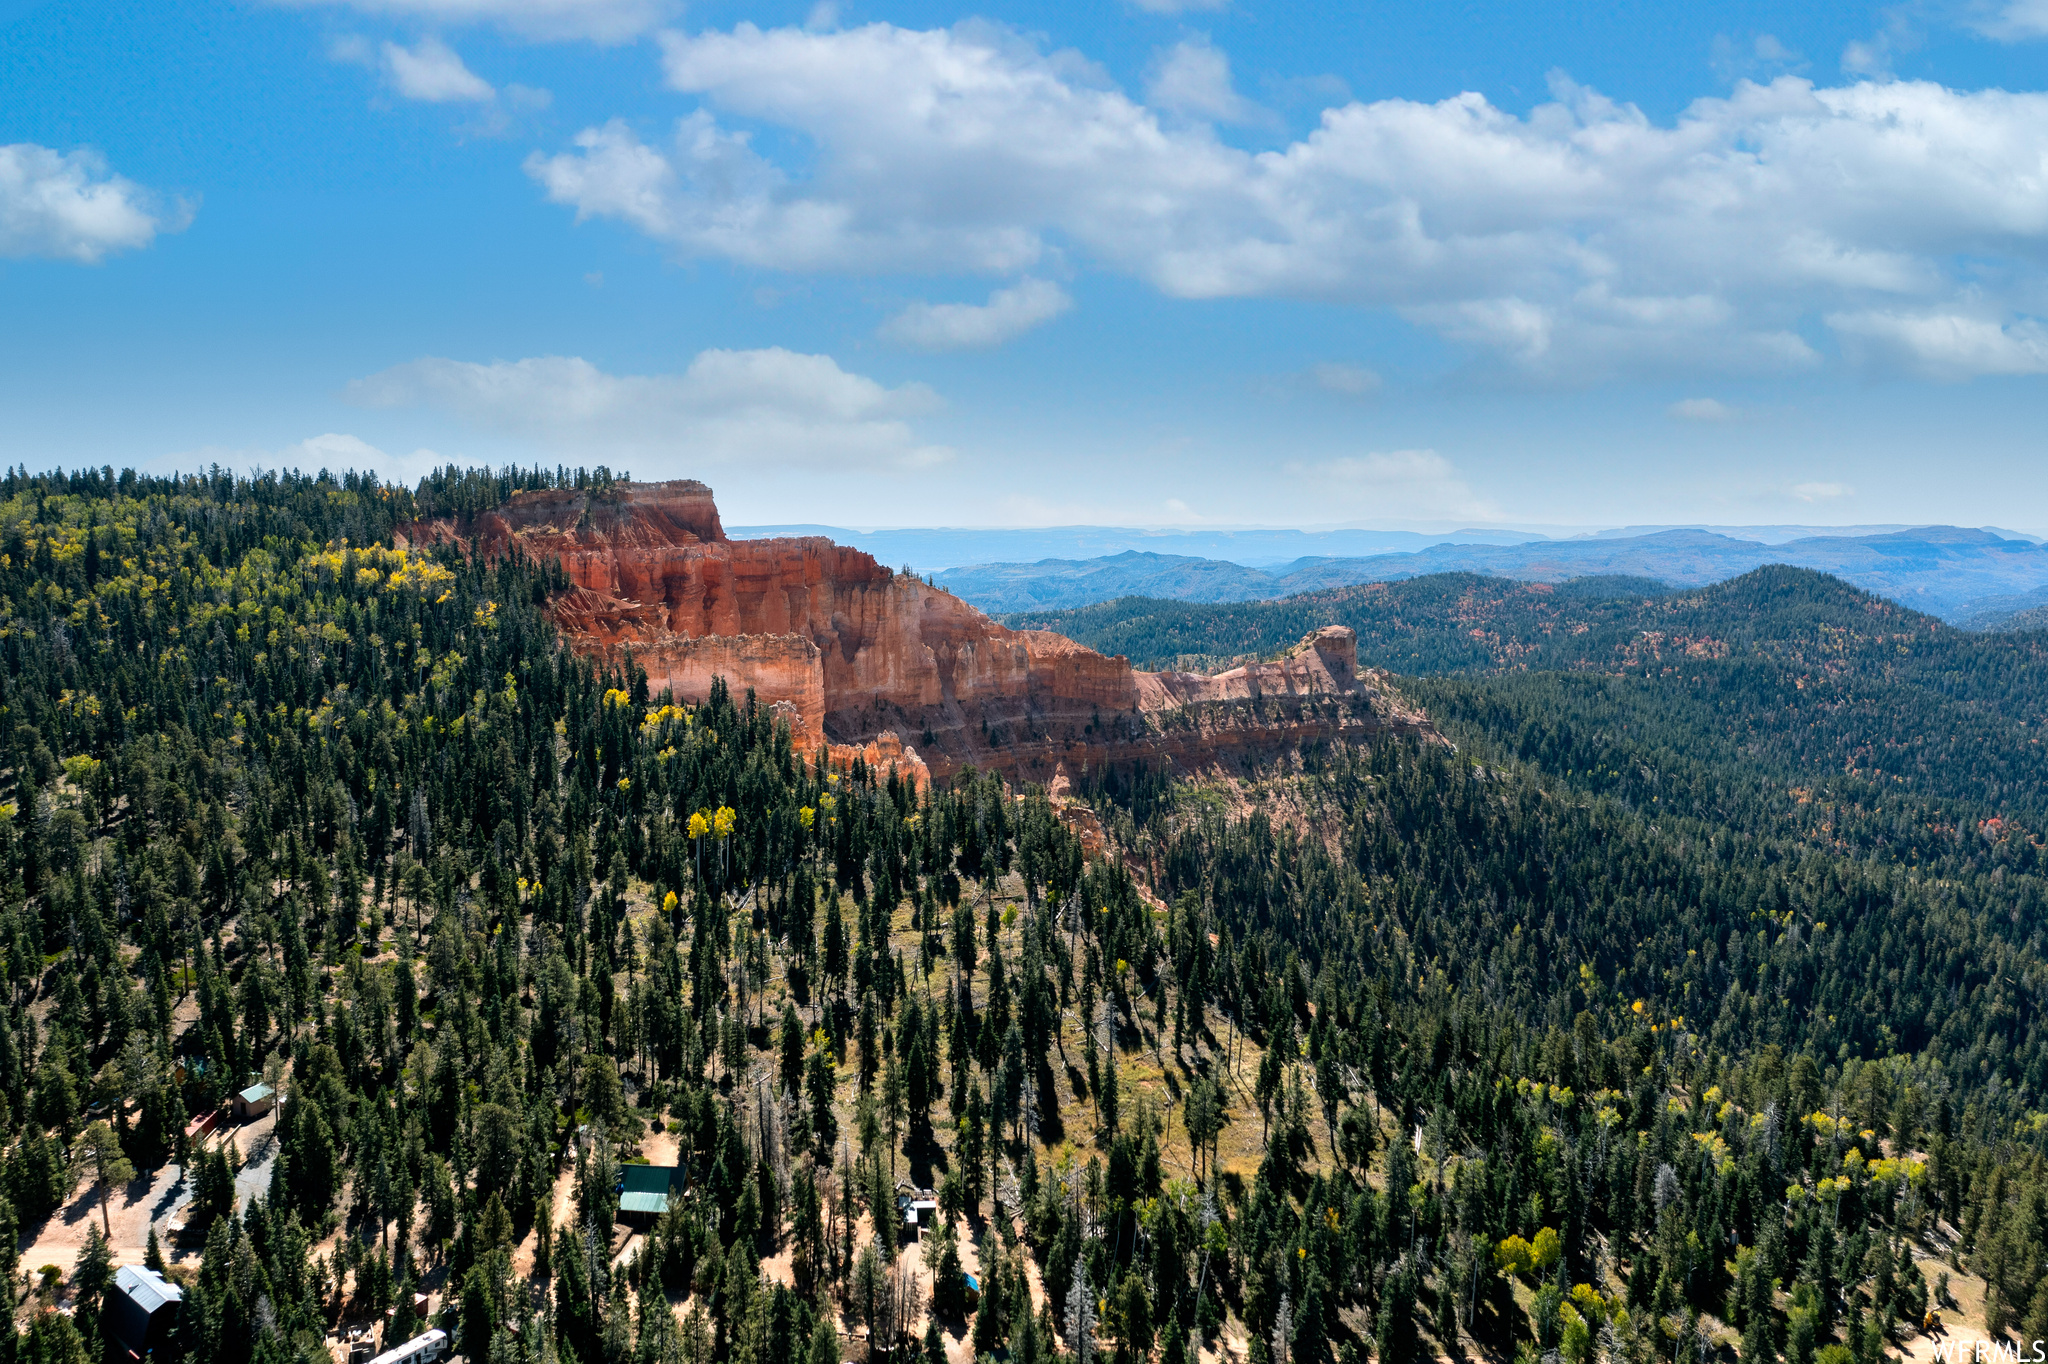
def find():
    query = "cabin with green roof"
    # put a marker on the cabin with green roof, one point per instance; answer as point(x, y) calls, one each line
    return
point(644, 1191)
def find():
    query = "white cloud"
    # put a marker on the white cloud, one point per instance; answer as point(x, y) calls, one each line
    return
point(1822, 492)
point(1769, 49)
point(1701, 410)
point(2017, 21)
point(69, 206)
point(1872, 58)
point(334, 451)
point(1192, 79)
point(1008, 314)
point(1762, 56)
point(1404, 483)
point(1573, 242)
point(434, 72)
point(1944, 344)
point(1350, 381)
point(599, 21)
point(338, 452)
point(765, 405)
point(1178, 6)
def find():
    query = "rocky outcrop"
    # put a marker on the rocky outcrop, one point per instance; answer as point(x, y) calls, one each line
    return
point(860, 655)
point(886, 752)
point(1325, 663)
point(1077, 814)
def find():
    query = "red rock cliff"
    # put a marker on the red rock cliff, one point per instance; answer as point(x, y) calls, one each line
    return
point(859, 651)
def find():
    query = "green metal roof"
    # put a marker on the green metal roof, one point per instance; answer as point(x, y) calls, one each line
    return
point(645, 1188)
point(256, 1094)
point(649, 1178)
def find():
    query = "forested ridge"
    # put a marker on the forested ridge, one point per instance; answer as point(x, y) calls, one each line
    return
point(1685, 1004)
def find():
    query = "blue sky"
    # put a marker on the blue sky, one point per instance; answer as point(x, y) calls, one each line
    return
point(1036, 263)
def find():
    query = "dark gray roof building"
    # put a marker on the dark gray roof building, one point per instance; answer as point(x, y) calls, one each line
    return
point(140, 1311)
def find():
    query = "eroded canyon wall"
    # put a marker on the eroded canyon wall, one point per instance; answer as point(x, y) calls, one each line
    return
point(858, 651)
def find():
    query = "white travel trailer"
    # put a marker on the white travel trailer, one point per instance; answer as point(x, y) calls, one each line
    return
point(419, 1350)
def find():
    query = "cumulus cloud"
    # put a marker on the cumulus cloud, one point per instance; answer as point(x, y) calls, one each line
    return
point(598, 21)
point(1349, 381)
point(1573, 242)
point(775, 405)
point(1701, 410)
point(337, 451)
point(1008, 314)
point(1192, 79)
point(434, 72)
point(69, 206)
point(1944, 343)
point(2016, 21)
point(334, 451)
point(1403, 483)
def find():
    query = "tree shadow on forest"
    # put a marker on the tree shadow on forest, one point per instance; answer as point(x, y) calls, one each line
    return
point(926, 1158)
point(79, 1209)
point(1052, 1130)
point(173, 1193)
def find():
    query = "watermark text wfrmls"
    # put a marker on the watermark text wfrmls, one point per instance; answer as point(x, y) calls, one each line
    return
point(1982, 1351)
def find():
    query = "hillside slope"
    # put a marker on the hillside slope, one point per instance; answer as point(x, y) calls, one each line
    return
point(1694, 1004)
point(1798, 673)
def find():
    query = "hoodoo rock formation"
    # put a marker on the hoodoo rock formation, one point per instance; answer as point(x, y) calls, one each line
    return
point(883, 663)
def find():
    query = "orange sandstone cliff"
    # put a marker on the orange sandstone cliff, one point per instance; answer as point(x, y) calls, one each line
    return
point(868, 660)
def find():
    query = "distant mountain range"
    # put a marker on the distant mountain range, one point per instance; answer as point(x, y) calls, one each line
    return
point(1981, 579)
point(934, 550)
